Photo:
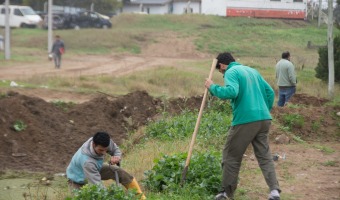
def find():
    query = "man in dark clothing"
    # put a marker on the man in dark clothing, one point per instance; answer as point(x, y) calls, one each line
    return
point(58, 49)
point(252, 99)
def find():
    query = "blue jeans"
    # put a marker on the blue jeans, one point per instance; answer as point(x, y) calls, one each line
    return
point(285, 94)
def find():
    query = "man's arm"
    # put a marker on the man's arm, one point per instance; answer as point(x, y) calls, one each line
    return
point(291, 74)
point(270, 95)
point(229, 91)
point(91, 173)
point(115, 153)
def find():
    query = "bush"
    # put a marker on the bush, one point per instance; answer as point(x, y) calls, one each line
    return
point(203, 176)
point(322, 68)
point(215, 121)
point(90, 192)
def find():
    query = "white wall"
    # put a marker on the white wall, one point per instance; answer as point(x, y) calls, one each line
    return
point(153, 9)
point(284, 4)
point(214, 7)
point(218, 7)
point(178, 7)
point(160, 10)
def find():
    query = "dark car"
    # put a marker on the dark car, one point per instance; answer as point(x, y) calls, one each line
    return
point(85, 19)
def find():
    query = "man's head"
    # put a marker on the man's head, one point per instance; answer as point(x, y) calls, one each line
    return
point(101, 142)
point(286, 55)
point(57, 37)
point(223, 60)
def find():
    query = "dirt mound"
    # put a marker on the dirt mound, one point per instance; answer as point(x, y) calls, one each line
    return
point(304, 99)
point(310, 118)
point(54, 132)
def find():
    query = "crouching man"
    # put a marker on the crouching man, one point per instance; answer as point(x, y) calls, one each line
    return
point(88, 164)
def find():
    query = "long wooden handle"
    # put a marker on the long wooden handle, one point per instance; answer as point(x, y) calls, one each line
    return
point(213, 65)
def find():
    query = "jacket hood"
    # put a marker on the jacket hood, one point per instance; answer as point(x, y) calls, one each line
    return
point(88, 150)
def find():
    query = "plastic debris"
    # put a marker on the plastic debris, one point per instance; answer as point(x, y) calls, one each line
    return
point(13, 84)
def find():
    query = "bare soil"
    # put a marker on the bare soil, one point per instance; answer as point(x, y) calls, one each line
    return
point(54, 133)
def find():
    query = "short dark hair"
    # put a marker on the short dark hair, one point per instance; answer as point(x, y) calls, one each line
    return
point(285, 55)
point(102, 139)
point(224, 58)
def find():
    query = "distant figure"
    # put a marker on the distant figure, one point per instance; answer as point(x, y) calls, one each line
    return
point(58, 49)
point(286, 79)
point(87, 164)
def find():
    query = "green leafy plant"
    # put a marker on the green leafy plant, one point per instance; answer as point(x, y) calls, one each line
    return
point(19, 126)
point(327, 150)
point(293, 121)
point(298, 139)
point(214, 122)
point(90, 192)
point(315, 126)
point(330, 163)
point(203, 176)
point(63, 105)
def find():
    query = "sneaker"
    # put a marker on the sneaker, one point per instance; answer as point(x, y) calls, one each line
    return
point(221, 196)
point(274, 198)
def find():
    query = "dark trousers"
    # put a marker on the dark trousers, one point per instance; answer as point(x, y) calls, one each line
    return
point(285, 93)
point(239, 137)
point(57, 60)
point(107, 172)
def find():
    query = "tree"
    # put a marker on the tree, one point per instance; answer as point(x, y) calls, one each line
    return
point(322, 67)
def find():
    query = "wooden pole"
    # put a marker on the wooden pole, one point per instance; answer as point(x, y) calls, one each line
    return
point(213, 65)
point(330, 50)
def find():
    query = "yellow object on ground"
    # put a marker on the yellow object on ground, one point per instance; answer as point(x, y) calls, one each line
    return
point(134, 185)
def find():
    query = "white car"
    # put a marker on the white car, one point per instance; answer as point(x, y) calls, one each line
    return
point(20, 16)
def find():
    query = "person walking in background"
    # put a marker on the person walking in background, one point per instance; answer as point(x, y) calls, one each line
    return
point(286, 79)
point(252, 99)
point(58, 49)
point(88, 164)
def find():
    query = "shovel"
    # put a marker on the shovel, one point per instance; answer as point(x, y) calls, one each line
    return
point(184, 173)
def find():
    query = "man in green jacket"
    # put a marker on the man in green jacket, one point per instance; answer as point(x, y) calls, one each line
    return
point(252, 99)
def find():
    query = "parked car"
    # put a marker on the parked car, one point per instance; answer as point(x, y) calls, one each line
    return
point(20, 16)
point(84, 19)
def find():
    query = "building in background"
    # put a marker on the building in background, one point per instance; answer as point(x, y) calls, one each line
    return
point(161, 6)
point(283, 9)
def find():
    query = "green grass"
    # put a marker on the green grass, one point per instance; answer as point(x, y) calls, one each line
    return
point(213, 34)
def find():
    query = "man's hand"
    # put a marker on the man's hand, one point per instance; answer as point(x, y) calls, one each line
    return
point(208, 83)
point(114, 160)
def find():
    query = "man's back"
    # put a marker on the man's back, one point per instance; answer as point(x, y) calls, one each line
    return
point(285, 73)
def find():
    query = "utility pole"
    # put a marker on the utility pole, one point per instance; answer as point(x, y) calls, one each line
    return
point(319, 15)
point(7, 32)
point(330, 50)
point(50, 26)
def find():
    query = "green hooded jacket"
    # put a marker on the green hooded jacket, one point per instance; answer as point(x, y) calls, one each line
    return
point(251, 96)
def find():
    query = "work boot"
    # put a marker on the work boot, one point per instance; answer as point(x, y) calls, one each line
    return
point(221, 196)
point(134, 185)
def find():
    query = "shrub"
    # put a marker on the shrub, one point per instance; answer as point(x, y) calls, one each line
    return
point(293, 121)
point(322, 67)
point(90, 192)
point(214, 122)
point(203, 176)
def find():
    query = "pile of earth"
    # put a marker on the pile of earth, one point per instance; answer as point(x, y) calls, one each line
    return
point(55, 131)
